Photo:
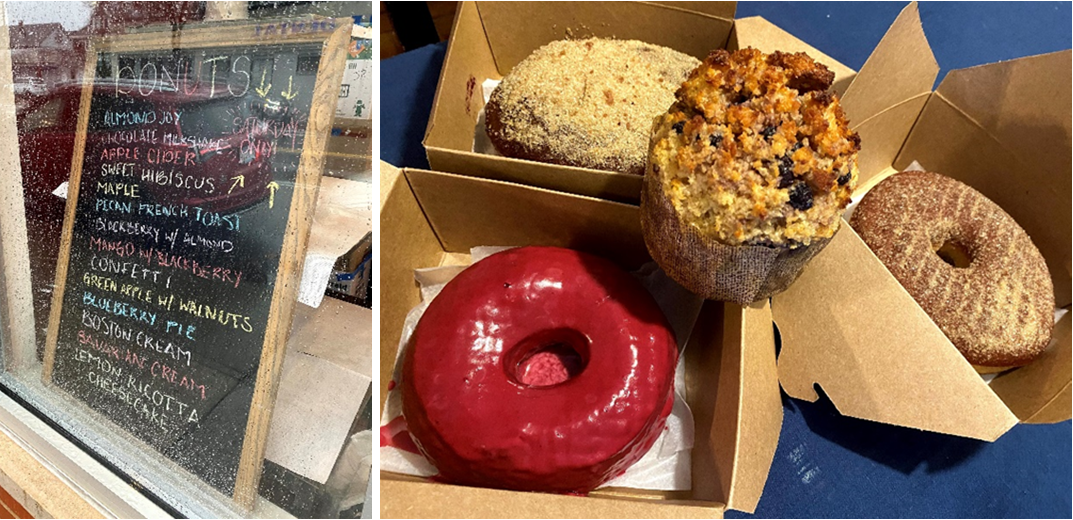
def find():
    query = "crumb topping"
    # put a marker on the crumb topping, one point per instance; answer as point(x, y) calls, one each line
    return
point(756, 151)
point(587, 103)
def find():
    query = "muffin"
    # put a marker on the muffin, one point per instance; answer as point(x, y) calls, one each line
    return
point(749, 173)
point(585, 103)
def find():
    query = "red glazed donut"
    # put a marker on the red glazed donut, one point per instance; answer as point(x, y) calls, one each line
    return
point(482, 421)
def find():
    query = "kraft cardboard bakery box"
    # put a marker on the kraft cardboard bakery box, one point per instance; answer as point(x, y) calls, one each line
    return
point(489, 38)
point(431, 219)
point(849, 328)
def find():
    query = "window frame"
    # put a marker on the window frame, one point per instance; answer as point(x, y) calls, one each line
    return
point(67, 476)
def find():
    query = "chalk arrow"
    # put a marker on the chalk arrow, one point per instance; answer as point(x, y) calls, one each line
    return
point(240, 181)
point(263, 90)
point(272, 187)
point(290, 93)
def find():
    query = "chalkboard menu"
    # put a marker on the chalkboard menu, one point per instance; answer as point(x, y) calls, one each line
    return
point(196, 167)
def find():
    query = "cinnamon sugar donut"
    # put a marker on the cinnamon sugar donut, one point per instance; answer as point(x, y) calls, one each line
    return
point(968, 264)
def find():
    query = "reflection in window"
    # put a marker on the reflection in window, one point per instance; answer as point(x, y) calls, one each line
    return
point(104, 69)
point(307, 65)
point(44, 117)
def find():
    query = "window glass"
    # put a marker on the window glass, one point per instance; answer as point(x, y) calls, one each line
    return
point(45, 116)
point(187, 271)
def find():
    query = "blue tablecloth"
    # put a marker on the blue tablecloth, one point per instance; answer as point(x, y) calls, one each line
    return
point(827, 465)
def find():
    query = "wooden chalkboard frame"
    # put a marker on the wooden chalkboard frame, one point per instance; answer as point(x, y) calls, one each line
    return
point(307, 183)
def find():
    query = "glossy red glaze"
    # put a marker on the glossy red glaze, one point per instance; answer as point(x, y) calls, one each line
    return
point(463, 398)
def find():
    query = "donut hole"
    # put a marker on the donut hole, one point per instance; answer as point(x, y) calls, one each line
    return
point(954, 254)
point(547, 358)
point(549, 366)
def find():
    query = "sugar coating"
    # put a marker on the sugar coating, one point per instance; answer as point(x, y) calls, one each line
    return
point(587, 103)
point(999, 310)
point(755, 151)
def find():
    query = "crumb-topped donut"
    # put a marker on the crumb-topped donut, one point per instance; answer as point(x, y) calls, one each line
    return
point(756, 151)
point(586, 103)
point(968, 264)
point(487, 402)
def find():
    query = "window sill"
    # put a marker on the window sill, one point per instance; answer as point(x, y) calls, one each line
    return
point(51, 477)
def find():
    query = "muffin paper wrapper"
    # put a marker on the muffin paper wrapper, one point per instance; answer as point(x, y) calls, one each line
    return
point(713, 270)
point(666, 466)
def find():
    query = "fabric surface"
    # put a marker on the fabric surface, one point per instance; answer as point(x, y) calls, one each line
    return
point(828, 465)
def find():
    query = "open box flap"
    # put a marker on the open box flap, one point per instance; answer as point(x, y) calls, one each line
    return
point(433, 500)
point(889, 92)
point(759, 406)
point(413, 245)
point(741, 414)
point(389, 175)
point(467, 212)
point(624, 187)
point(901, 67)
point(1024, 107)
point(1040, 392)
point(873, 350)
point(1057, 410)
point(724, 10)
point(458, 98)
point(882, 136)
point(760, 34)
point(1001, 97)
point(691, 32)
